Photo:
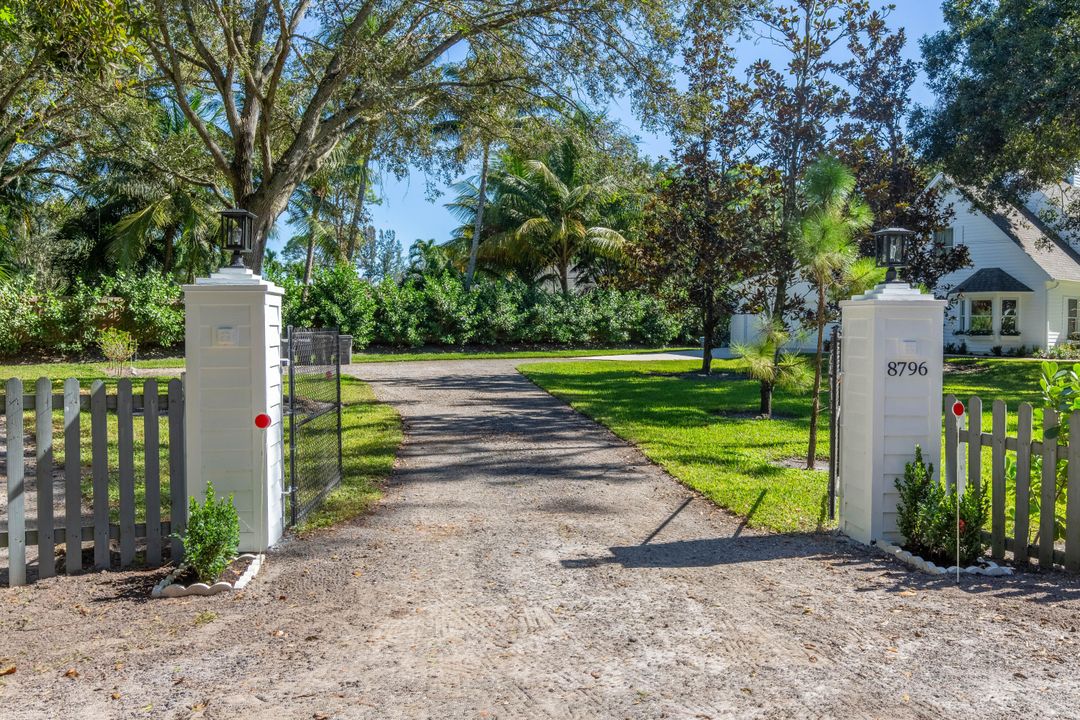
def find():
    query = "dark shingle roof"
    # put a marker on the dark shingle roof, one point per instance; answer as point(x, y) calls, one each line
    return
point(990, 280)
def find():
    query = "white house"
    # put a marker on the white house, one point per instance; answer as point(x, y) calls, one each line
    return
point(1023, 285)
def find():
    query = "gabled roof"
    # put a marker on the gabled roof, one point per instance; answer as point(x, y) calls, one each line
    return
point(990, 280)
point(1042, 243)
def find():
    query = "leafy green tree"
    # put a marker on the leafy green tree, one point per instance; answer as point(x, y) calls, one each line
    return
point(705, 221)
point(63, 61)
point(873, 142)
point(291, 96)
point(172, 219)
point(1007, 116)
point(826, 250)
point(799, 105)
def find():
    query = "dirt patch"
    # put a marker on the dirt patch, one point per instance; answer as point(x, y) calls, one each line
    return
point(799, 463)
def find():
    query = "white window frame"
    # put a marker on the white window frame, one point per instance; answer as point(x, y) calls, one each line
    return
point(1001, 316)
point(1072, 323)
point(942, 244)
point(971, 315)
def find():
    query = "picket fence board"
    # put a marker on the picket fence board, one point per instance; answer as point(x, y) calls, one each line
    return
point(177, 492)
point(86, 533)
point(43, 440)
point(1048, 487)
point(1023, 477)
point(997, 488)
point(152, 406)
point(16, 499)
point(99, 453)
point(974, 412)
point(125, 445)
point(72, 474)
point(1072, 501)
point(152, 474)
point(85, 401)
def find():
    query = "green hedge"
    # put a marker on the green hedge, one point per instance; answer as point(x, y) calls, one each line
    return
point(148, 306)
point(419, 310)
point(437, 310)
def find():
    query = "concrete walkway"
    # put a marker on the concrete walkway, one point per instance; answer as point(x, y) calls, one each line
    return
point(525, 563)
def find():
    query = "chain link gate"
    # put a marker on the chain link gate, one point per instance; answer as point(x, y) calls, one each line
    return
point(313, 406)
point(835, 374)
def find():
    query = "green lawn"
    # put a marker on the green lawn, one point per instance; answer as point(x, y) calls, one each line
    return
point(703, 432)
point(371, 357)
point(83, 371)
point(371, 434)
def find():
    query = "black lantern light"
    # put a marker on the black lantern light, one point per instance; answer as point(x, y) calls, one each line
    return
point(891, 250)
point(236, 234)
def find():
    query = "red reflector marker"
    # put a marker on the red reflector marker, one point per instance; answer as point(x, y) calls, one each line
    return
point(958, 408)
point(262, 421)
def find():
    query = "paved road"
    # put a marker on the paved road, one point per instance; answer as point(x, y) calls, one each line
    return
point(527, 564)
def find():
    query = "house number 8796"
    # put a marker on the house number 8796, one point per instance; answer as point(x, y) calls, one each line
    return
point(900, 368)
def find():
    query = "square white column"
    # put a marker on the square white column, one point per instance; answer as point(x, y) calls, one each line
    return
point(890, 401)
point(233, 374)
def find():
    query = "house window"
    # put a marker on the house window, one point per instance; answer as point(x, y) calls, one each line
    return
point(982, 317)
point(943, 240)
point(963, 315)
point(1071, 317)
point(1009, 316)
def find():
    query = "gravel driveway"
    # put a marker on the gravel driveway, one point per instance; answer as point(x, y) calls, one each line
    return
point(528, 564)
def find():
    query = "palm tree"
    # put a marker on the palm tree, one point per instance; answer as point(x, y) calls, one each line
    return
point(170, 211)
point(773, 366)
point(483, 132)
point(826, 251)
point(308, 212)
point(552, 210)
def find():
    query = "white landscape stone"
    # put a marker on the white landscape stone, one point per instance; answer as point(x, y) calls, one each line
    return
point(166, 588)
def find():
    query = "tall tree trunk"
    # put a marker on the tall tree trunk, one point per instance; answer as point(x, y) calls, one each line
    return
point(170, 249)
point(815, 406)
point(316, 208)
point(564, 278)
point(708, 330)
point(474, 246)
point(358, 208)
point(765, 403)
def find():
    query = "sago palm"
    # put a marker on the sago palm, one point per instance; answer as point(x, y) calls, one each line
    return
point(826, 250)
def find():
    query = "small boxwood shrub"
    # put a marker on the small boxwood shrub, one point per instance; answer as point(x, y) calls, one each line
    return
point(212, 536)
point(927, 516)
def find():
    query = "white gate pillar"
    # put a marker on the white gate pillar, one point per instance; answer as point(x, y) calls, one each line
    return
point(233, 356)
point(890, 401)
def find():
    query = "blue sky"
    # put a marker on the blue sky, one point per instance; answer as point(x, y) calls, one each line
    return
point(406, 208)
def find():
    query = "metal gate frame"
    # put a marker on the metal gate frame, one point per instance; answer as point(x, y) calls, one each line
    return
point(835, 377)
point(299, 509)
